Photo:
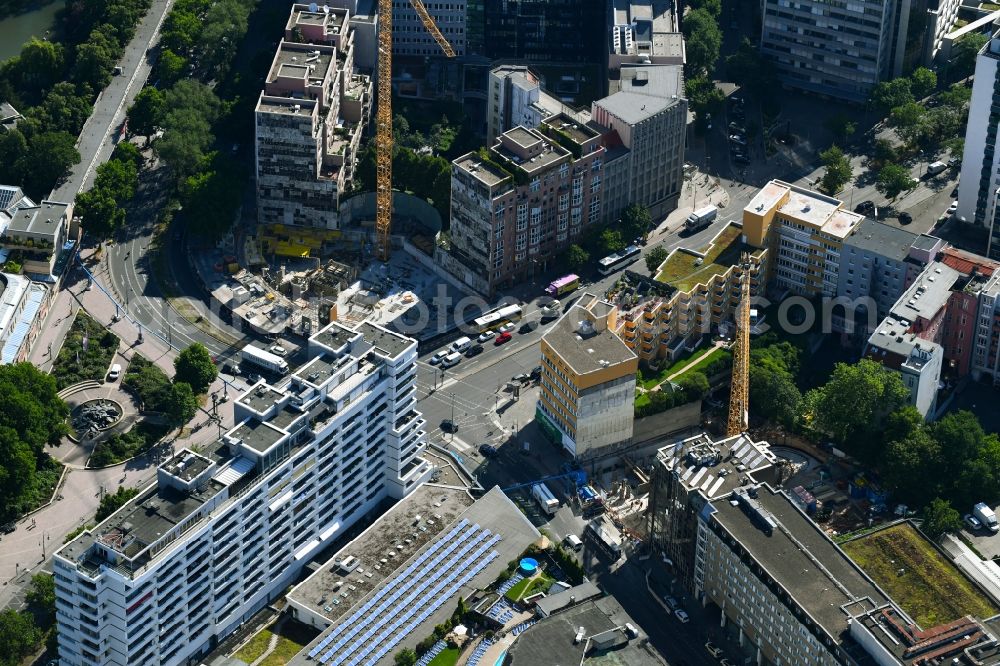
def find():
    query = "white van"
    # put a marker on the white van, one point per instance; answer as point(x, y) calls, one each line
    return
point(573, 541)
point(115, 372)
point(451, 359)
point(934, 168)
point(461, 345)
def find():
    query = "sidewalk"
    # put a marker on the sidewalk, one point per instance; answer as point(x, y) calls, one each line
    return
point(697, 192)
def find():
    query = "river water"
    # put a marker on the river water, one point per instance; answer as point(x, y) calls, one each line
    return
point(16, 30)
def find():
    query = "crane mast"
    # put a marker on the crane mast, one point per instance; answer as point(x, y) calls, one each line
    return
point(383, 118)
point(739, 402)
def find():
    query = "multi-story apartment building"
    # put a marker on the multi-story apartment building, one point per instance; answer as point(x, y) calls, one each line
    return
point(986, 350)
point(362, 21)
point(646, 123)
point(695, 291)
point(410, 37)
point(41, 235)
point(836, 49)
point(515, 98)
point(642, 32)
point(309, 120)
point(519, 204)
point(877, 264)
point(536, 31)
point(979, 196)
point(587, 397)
point(804, 231)
point(221, 533)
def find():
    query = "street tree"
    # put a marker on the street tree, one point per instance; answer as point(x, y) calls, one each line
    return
point(13, 146)
point(194, 366)
point(940, 517)
point(923, 82)
point(972, 456)
point(576, 257)
point(99, 213)
point(180, 30)
point(635, 221)
point(704, 96)
point(887, 95)
point(713, 7)
point(63, 109)
point(146, 112)
point(50, 156)
point(42, 598)
point(186, 136)
point(95, 58)
point(883, 152)
point(964, 53)
point(655, 257)
point(956, 97)
point(611, 241)
point(910, 122)
point(41, 64)
point(180, 403)
point(170, 67)
point(224, 24)
point(838, 169)
point(893, 180)
point(191, 94)
point(111, 502)
point(956, 146)
point(19, 636)
point(754, 72)
point(405, 657)
point(212, 196)
point(702, 41)
point(126, 151)
point(910, 467)
point(842, 127)
point(117, 179)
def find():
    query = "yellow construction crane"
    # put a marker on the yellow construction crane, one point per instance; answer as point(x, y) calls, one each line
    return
point(739, 397)
point(383, 117)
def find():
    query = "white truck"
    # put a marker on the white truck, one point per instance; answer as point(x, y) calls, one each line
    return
point(701, 218)
point(607, 535)
point(986, 516)
point(263, 359)
point(545, 498)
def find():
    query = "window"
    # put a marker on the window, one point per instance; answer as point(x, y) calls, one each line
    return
point(597, 165)
point(536, 216)
point(520, 242)
point(536, 184)
point(595, 208)
point(595, 184)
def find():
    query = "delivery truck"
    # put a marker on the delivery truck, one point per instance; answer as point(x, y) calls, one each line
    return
point(545, 498)
point(986, 516)
point(701, 218)
point(265, 360)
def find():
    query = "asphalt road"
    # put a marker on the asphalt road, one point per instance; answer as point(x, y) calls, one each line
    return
point(96, 142)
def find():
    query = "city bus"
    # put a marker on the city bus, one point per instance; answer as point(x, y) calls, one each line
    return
point(497, 318)
point(619, 260)
point(563, 285)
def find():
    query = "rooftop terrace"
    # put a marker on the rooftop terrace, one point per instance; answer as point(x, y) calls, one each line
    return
point(684, 269)
point(717, 468)
point(572, 128)
point(485, 172)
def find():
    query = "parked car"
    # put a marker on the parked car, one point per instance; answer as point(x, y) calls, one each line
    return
point(725, 662)
point(502, 338)
point(448, 425)
point(954, 163)
point(521, 377)
point(277, 350)
point(438, 357)
point(451, 360)
point(9, 528)
point(972, 522)
point(474, 350)
point(488, 450)
point(536, 372)
point(485, 335)
point(865, 207)
point(736, 127)
point(528, 326)
point(905, 218)
point(712, 649)
point(252, 378)
point(953, 208)
point(682, 616)
point(230, 369)
point(737, 139)
point(672, 602)
point(115, 372)
point(507, 328)
point(741, 159)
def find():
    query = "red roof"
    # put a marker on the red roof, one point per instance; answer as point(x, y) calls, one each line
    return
point(965, 262)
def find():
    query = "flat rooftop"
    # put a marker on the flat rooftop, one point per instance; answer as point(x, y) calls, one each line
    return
point(808, 207)
point(928, 293)
point(585, 350)
point(261, 397)
point(43, 219)
point(552, 153)
point(484, 172)
point(319, 369)
point(551, 640)
point(716, 468)
point(384, 341)
point(884, 239)
point(470, 551)
point(684, 270)
point(285, 105)
point(335, 336)
point(571, 127)
point(258, 435)
point(302, 61)
point(799, 557)
point(522, 137)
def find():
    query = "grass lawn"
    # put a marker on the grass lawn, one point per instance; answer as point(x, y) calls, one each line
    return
point(651, 380)
point(707, 359)
point(447, 657)
point(683, 271)
point(530, 586)
point(256, 647)
point(94, 362)
point(930, 589)
point(641, 399)
point(127, 445)
point(293, 636)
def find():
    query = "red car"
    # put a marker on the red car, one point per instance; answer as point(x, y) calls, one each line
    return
point(502, 338)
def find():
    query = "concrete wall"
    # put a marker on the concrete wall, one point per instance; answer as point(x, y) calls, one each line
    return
point(411, 210)
point(665, 423)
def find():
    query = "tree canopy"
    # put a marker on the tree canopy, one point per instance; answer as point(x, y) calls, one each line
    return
point(893, 179)
point(180, 404)
point(655, 257)
point(702, 40)
point(838, 169)
point(194, 367)
point(887, 95)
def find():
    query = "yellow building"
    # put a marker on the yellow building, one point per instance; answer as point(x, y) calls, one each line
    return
point(587, 392)
point(804, 232)
point(695, 291)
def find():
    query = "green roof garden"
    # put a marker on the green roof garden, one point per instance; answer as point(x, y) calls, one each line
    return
point(683, 269)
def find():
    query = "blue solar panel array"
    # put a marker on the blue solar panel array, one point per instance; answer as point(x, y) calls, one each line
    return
point(400, 606)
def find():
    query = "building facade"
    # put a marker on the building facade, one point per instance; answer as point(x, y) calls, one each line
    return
point(536, 31)
point(840, 50)
point(642, 32)
point(221, 534)
point(410, 37)
point(645, 124)
point(41, 237)
point(978, 196)
point(515, 97)
point(587, 396)
point(309, 120)
point(804, 232)
point(23, 305)
point(515, 207)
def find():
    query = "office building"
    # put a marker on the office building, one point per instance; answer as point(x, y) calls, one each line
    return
point(686, 299)
point(804, 231)
point(840, 50)
point(389, 587)
point(516, 97)
point(587, 397)
point(646, 124)
point(536, 31)
point(308, 122)
point(878, 262)
point(515, 207)
point(979, 195)
point(221, 533)
point(411, 38)
point(40, 237)
point(642, 32)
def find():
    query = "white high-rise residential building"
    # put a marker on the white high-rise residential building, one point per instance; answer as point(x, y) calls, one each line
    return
point(978, 195)
point(224, 531)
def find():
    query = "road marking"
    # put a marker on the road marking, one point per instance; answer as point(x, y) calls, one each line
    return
point(459, 444)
